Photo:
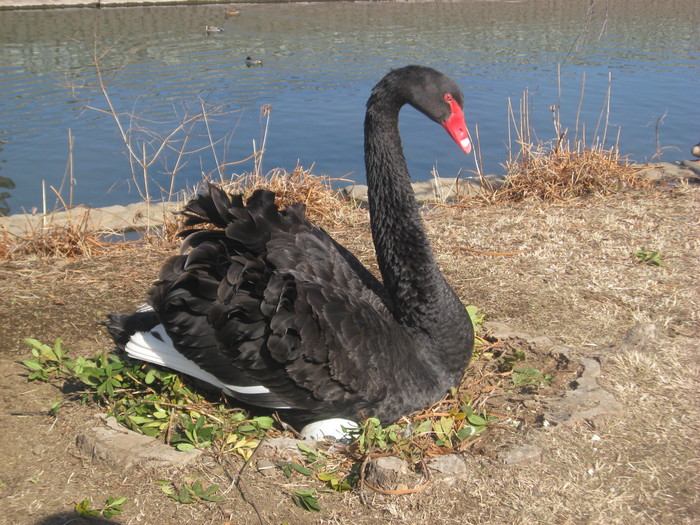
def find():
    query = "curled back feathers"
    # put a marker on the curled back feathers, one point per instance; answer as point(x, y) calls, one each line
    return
point(268, 297)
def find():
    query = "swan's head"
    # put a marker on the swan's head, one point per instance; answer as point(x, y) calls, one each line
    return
point(439, 98)
point(455, 124)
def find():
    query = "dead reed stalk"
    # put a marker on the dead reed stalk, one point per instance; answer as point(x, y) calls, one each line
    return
point(561, 173)
point(75, 238)
point(561, 170)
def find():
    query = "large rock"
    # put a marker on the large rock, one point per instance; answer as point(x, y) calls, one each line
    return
point(586, 401)
point(389, 473)
point(112, 444)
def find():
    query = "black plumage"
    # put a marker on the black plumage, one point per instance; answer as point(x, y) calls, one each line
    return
point(268, 299)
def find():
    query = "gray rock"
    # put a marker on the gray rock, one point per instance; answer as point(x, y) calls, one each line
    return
point(686, 170)
point(692, 165)
point(521, 454)
point(356, 192)
point(388, 473)
point(132, 217)
point(586, 401)
point(284, 448)
point(443, 189)
point(504, 331)
point(448, 465)
point(266, 467)
point(112, 444)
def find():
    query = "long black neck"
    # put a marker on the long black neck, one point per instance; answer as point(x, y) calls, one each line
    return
point(411, 277)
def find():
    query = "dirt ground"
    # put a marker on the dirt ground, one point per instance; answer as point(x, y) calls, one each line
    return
point(573, 279)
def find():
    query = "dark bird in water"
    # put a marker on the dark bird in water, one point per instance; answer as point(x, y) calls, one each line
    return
point(695, 150)
point(274, 312)
point(213, 29)
point(253, 62)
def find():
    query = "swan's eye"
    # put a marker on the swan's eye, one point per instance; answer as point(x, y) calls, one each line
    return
point(448, 97)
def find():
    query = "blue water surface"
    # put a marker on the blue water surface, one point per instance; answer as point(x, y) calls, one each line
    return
point(320, 61)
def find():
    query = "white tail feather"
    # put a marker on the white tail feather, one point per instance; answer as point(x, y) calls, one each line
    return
point(156, 347)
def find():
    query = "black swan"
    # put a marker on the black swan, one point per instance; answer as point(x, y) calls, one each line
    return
point(270, 309)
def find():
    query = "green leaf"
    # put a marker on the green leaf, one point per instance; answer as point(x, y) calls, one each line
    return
point(334, 482)
point(185, 447)
point(83, 509)
point(54, 407)
point(529, 376)
point(37, 346)
point(652, 258)
point(58, 350)
point(289, 466)
point(115, 502)
point(165, 486)
point(311, 454)
point(150, 376)
point(466, 432)
point(306, 499)
point(32, 365)
point(423, 428)
point(476, 420)
point(208, 494)
point(263, 422)
point(475, 316)
point(113, 507)
point(182, 497)
point(140, 420)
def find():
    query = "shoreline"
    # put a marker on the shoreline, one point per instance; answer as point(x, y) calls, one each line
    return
point(98, 4)
point(143, 215)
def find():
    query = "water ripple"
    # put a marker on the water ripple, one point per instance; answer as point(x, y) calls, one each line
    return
point(320, 61)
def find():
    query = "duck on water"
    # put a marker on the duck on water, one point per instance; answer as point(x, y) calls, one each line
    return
point(274, 312)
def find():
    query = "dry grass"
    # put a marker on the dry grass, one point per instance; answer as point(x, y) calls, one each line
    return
point(323, 205)
point(74, 239)
point(563, 173)
point(77, 236)
point(578, 284)
point(564, 168)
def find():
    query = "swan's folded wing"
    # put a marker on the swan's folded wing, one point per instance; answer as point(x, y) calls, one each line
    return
point(287, 309)
point(347, 347)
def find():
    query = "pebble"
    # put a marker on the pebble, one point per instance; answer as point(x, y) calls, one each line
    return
point(266, 467)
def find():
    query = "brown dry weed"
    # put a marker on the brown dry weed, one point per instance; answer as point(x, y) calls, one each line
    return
point(73, 239)
point(563, 173)
point(78, 237)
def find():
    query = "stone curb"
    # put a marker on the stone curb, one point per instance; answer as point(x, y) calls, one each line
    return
point(51, 4)
point(58, 4)
point(141, 215)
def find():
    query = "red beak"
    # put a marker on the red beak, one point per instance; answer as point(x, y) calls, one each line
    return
point(457, 128)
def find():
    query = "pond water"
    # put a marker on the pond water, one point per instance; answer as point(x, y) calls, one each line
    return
point(320, 60)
